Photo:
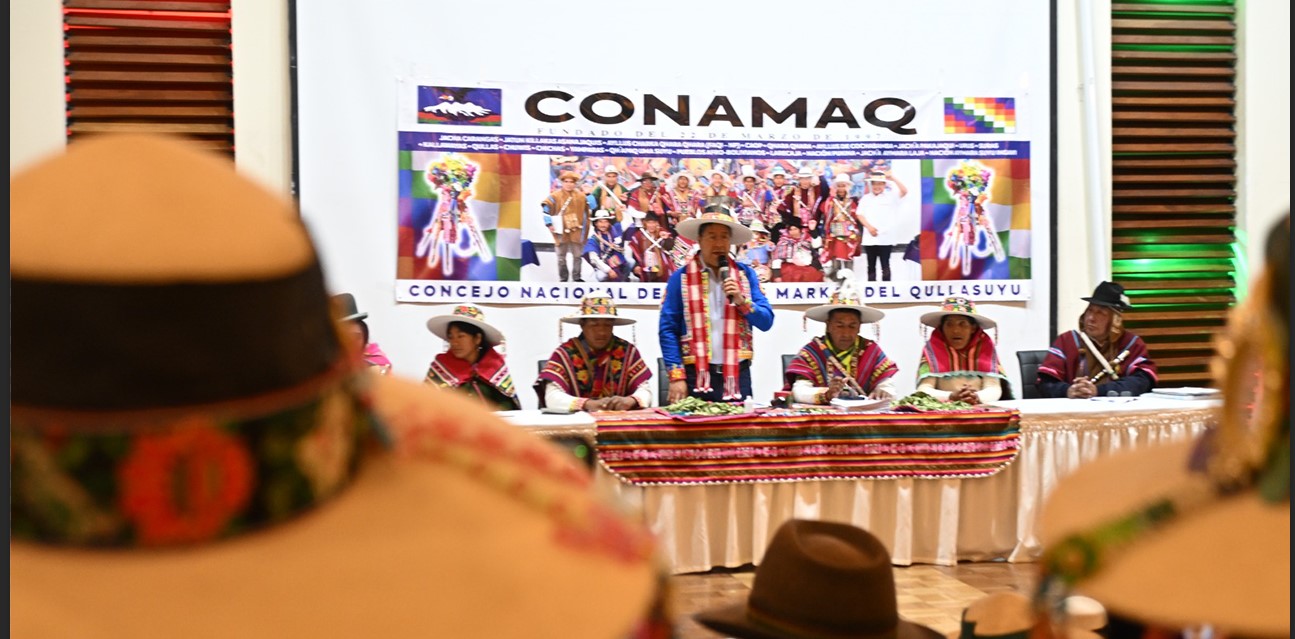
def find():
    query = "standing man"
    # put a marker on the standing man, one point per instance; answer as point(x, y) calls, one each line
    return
point(880, 206)
point(755, 197)
point(844, 227)
point(605, 250)
point(566, 215)
point(595, 370)
point(1101, 357)
point(647, 197)
point(650, 246)
point(710, 307)
point(610, 195)
point(804, 200)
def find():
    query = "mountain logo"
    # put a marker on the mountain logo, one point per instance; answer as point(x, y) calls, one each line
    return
point(462, 106)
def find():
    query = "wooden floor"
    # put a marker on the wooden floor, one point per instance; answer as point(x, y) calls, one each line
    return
point(930, 595)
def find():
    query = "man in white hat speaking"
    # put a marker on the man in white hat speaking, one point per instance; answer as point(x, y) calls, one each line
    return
point(595, 370)
point(711, 305)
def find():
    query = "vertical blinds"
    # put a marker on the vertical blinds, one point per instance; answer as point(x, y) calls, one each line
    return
point(150, 66)
point(1173, 72)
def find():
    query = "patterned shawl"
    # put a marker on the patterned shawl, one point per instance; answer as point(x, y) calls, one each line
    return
point(1067, 358)
point(864, 362)
point(979, 358)
point(617, 370)
point(452, 372)
point(373, 356)
point(696, 298)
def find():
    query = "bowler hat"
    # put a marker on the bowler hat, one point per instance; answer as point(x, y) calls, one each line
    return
point(1110, 294)
point(819, 579)
point(344, 306)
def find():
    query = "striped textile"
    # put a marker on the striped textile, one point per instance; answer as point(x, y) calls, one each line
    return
point(643, 448)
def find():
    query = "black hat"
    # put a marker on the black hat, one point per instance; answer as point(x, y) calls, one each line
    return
point(344, 306)
point(1110, 294)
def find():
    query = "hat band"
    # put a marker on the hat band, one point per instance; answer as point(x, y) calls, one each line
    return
point(191, 477)
point(166, 345)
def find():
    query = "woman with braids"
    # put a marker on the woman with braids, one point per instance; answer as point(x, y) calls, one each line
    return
point(1100, 358)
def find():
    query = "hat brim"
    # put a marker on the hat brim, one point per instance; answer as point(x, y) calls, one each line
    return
point(354, 317)
point(440, 325)
point(867, 314)
point(422, 547)
point(1121, 307)
point(617, 320)
point(1226, 564)
point(690, 228)
point(732, 621)
point(933, 318)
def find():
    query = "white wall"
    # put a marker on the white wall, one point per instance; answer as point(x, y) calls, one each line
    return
point(37, 127)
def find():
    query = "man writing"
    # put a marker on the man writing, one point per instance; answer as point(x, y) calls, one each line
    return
point(711, 304)
point(1101, 358)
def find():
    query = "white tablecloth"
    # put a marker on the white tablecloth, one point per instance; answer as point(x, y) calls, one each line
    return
point(935, 521)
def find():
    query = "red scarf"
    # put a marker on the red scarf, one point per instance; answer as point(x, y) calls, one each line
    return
point(449, 370)
point(696, 292)
point(979, 357)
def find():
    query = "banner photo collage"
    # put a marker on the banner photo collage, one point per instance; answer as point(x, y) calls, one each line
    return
point(539, 194)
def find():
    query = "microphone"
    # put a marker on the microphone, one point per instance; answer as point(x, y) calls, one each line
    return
point(723, 275)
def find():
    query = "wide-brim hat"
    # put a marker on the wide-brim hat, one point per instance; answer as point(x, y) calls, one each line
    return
point(468, 314)
point(223, 363)
point(819, 578)
point(691, 227)
point(603, 214)
point(568, 175)
point(344, 304)
point(867, 314)
point(598, 307)
point(748, 171)
point(1226, 565)
point(674, 179)
point(758, 227)
point(957, 306)
point(805, 172)
point(649, 174)
point(842, 178)
point(1012, 614)
point(1110, 295)
point(611, 168)
point(876, 176)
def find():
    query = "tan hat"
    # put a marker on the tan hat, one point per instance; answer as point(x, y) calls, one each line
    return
point(805, 172)
point(598, 306)
point(611, 169)
point(468, 314)
point(846, 296)
point(1196, 533)
point(691, 227)
point(683, 173)
point(957, 306)
point(239, 473)
point(1012, 614)
point(819, 579)
point(842, 178)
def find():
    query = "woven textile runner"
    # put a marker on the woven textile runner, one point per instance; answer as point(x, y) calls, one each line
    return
point(645, 448)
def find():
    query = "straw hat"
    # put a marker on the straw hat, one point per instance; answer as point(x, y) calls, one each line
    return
point(957, 306)
point(683, 173)
point(598, 307)
point(748, 171)
point(222, 363)
point(877, 176)
point(602, 214)
point(715, 214)
point(758, 227)
point(846, 296)
point(568, 175)
point(1202, 529)
point(805, 172)
point(468, 314)
point(611, 169)
point(819, 579)
point(842, 178)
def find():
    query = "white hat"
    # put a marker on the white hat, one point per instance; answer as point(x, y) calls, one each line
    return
point(714, 172)
point(683, 173)
point(778, 170)
point(468, 314)
point(842, 178)
point(846, 296)
point(957, 306)
point(717, 212)
point(748, 171)
point(602, 214)
point(598, 306)
point(758, 227)
point(805, 172)
point(611, 168)
point(876, 176)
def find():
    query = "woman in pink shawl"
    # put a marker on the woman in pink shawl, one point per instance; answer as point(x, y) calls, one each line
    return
point(353, 325)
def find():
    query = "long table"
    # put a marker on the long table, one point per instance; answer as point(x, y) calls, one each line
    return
point(921, 520)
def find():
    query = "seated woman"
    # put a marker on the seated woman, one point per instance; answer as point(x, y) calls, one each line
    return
point(959, 362)
point(472, 364)
point(841, 363)
point(352, 320)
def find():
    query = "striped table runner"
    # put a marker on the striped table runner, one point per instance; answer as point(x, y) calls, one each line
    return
point(645, 448)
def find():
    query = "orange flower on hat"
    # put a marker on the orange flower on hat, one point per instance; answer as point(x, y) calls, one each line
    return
point(185, 485)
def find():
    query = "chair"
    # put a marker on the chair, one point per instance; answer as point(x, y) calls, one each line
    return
point(662, 382)
point(1030, 361)
point(786, 361)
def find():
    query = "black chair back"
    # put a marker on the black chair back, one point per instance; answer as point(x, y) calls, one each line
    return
point(662, 382)
point(1030, 361)
point(786, 361)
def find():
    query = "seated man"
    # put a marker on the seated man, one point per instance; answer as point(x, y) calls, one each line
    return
point(1100, 358)
point(595, 370)
point(841, 363)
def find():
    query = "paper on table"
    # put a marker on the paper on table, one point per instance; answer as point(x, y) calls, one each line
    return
point(862, 404)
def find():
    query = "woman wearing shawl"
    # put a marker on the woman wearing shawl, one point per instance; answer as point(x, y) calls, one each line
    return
point(353, 325)
point(472, 364)
point(959, 362)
